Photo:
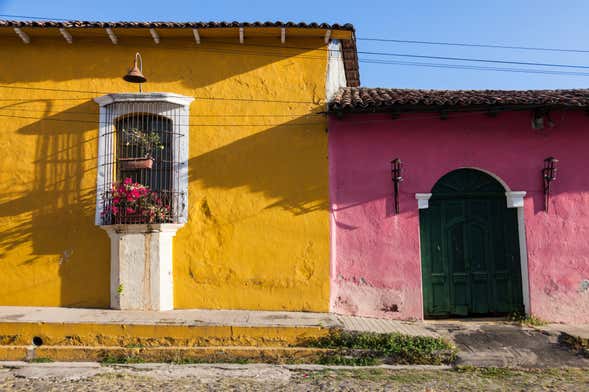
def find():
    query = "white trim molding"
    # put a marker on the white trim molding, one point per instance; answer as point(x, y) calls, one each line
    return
point(423, 200)
point(336, 73)
point(141, 254)
point(144, 97)
point(515, 199)
point(113, 106)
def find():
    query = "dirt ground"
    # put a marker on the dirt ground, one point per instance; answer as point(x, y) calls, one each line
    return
point(271, 378)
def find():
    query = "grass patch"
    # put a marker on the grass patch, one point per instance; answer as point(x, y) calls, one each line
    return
point(488, 372)
point(527, 320)
point(121, 359)
point(41, 360)
point(575, 343)
point(196, 361)
point(363, 348)
point(348, 359)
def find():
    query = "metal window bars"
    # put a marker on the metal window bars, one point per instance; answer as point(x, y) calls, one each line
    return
point(141, 177)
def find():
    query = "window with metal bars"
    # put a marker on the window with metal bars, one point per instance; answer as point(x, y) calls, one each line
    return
point(141, 182)
point(142, 159)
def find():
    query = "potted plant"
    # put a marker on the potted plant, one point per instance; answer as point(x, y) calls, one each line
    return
point(145, 143)
point(132, 202)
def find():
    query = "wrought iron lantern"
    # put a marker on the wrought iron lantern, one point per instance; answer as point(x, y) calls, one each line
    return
point(397, 177)
point(548, 175)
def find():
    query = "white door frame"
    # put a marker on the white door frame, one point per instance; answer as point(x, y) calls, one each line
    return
point(515, 199)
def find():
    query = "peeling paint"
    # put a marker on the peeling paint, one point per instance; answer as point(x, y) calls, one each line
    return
point(258, 193)
point(384, 248)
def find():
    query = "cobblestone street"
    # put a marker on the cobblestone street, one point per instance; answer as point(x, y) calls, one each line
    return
point(91, 377)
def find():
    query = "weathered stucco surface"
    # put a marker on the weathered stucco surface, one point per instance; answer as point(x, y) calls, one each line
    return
point(375, 254)
point(257, 235)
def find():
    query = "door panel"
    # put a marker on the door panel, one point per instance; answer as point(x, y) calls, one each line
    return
point(478, 251)
point(470, 251)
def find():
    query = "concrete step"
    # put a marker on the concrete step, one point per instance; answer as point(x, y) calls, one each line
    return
point(108, 354)
point(51, 326)
point(154, 335)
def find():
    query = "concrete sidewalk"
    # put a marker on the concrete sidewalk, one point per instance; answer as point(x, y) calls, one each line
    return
point(204, 318)
point(90, 334)
point(498, 343)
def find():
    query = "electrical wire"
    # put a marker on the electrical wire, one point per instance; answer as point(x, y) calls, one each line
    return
point(356, 118)
point(392, 54)
point(472, 45)
point(463, 44)
point(482, 68)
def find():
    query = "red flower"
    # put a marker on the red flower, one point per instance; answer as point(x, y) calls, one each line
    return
point(134, 198)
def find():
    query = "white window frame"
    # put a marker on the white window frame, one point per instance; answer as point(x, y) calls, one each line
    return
point(121, 107)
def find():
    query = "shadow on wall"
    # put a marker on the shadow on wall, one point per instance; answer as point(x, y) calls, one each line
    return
point(258, 230)
point(172, 61)
point(56, 215)
point(283, 162)
point(61, 207)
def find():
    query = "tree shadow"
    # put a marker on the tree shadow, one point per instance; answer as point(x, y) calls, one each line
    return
point(56, 214)
point(284, 163)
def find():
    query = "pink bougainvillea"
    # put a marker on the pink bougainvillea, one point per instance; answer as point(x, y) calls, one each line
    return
point(132, 202)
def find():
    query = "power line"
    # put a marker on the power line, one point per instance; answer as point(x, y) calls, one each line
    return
point(418, 56)
point(471, 45)
point(90, 113)
point(473, 67)
point(382, 61)
point(237, 51)
point(315, 123)
point(465, 59)
point(31, 17)
point(110, 92)
point(442, 43)
point(190, 125)
point(393, 54)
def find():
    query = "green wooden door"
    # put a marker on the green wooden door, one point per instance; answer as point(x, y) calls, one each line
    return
point(470, 250)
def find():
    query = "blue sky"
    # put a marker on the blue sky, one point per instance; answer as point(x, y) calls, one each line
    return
point(537, 23)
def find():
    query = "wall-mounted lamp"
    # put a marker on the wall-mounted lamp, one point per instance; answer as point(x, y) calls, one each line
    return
point(548, 175)
point(397, 177)
point(135, 74)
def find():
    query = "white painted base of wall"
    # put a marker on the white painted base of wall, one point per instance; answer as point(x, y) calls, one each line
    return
point(141, 275)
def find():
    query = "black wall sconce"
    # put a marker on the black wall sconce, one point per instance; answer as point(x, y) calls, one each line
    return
point(548, 175)
point(397, 177)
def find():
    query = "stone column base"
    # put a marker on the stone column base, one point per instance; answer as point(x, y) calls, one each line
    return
point(141, 276)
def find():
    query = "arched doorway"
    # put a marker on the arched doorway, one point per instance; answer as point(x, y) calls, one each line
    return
point(470, 248)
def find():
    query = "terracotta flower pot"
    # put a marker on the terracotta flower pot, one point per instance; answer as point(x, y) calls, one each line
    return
point(135, 163)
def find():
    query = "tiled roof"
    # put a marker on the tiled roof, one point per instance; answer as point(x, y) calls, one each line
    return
point(355, 99)
point(351, 65)
point(349, 46)
point(169, 25)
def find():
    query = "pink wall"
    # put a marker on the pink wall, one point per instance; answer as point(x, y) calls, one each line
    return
point(375, 260)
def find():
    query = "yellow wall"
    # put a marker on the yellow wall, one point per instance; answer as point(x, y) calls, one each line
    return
point(257, 236)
